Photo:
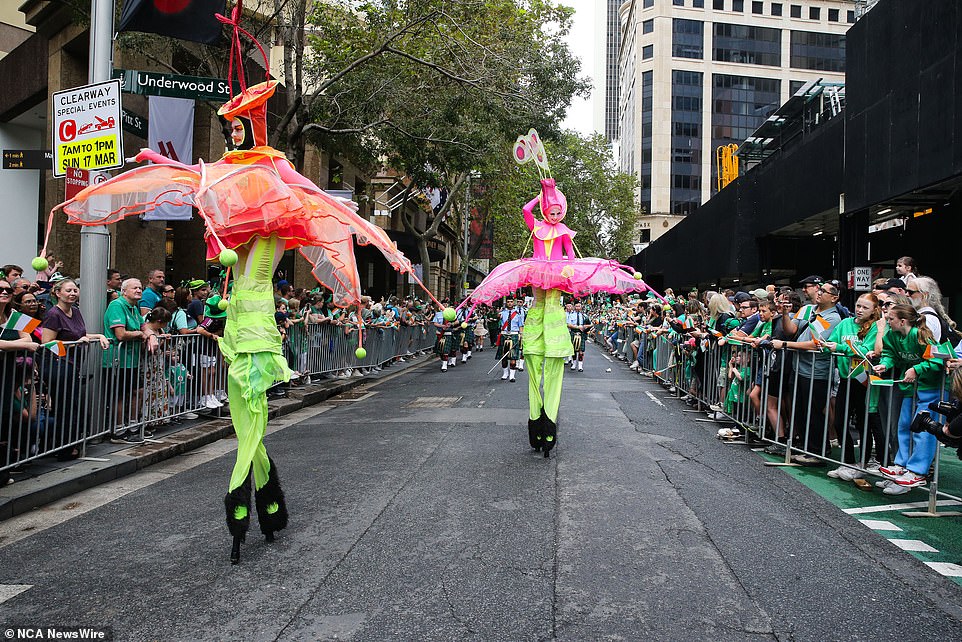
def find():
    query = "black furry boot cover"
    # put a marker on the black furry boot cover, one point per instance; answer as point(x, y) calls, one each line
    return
point(240, 496)
point(549, 434)
point(534, 431)
point(265, 497)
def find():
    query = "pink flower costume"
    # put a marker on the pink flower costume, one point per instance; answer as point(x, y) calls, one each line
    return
point(553, 269)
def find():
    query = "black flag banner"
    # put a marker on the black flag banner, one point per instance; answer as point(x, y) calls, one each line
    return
point(184, 19)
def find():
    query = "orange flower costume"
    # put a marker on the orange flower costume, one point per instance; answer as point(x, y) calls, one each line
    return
point(254, 205)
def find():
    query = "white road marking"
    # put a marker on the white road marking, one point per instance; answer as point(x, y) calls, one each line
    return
point(880, 525)
point(915, 545)
point(12, 590)
point(897, 507)
point(23, 526)
point(654, 398)
point(946, 568)
point(608, 358)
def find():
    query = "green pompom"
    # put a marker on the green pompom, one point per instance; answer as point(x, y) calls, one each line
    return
point(222, 304)
point(227, 258)
point(637, 276)
point(39, 264)
point(360, 353)
point(449, 314)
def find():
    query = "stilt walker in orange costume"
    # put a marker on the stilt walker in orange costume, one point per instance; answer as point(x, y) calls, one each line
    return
point(255, 205)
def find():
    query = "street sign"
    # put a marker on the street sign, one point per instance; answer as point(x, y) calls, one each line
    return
point(135, 124)
point(87, 128)
point(77, 179)
point(27, 159)
point(152, 83)
point(862, 279)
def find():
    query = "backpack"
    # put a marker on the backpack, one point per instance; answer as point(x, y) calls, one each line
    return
point(947, 332)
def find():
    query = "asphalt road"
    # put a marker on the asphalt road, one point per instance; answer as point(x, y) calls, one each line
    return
point(418, 512)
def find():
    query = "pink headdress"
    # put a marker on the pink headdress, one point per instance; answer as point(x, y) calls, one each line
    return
point(552, 197)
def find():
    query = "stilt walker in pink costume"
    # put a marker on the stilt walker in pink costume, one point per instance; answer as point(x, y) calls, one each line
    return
point(552, 270)
point(254, 205)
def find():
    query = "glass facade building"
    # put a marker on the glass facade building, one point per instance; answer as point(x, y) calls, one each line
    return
point(746, 44)
point(739, 105)
point(687, 40)
point(647, 101)
point(819, 51)
point(686, 141)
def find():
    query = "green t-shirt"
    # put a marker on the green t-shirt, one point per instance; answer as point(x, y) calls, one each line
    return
point(905, 352)
point(847, 330)
point(762, 329)
point(123, 354)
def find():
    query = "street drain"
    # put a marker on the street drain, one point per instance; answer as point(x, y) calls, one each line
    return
point(433, 402)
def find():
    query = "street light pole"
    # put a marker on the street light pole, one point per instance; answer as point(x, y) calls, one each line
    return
point(95, 240)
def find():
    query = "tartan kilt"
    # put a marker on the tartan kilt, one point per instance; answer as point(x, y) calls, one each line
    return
point(579, 339)
point(445, 343)
point(468, 336)
point(514, 351)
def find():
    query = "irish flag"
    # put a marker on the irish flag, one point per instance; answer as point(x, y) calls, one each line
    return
point(56, 347)
point(21, 323)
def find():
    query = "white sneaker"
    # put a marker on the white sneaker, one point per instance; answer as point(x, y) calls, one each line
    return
point(358, 373)
point(872, 466)
point(464, 358)
point(401, 360)
point(573, 365)
point(885, 483)
point(220, 395)
point(834, 472)
point(895, 489)
point(210, 401)
point(190, 415)
point(634, 365)
point(580, 369)
point(848, 473)
point(715, 407)
point(444, 367)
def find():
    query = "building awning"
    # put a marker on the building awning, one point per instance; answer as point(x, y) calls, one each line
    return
point(407, 243)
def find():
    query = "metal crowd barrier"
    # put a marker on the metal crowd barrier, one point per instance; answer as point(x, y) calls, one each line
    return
point(774, 404)
point(51, 404)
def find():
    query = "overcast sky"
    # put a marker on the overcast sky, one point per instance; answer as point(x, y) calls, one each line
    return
point(581, 41)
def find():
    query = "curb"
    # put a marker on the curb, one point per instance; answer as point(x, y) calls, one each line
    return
point(34, 492)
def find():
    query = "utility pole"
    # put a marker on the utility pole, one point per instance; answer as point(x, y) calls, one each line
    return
point(95, 240)
point(467, 215)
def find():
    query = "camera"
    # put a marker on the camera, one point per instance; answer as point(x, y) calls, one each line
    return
point(923, 422)
point(951, 409)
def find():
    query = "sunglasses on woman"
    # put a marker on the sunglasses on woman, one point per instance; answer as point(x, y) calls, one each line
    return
point(6, 290)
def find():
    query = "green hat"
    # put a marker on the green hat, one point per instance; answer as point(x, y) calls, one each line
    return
point(211, 308)
point(196, 284)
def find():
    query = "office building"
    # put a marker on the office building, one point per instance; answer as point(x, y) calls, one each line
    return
point(699, 74)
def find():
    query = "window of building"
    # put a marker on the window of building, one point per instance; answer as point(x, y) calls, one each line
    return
point(648, 26)
point(698, 4)
point(687, 39)
point(748, 45)
point(738, 5)
point(833, 15)
point(686, 143)
point(719, 5)
point(758, 7)
point(648, 4)
point(648, 52)
point(814, 13)
point(794, 86)
point(796, 10)
point(776, 9)
point(739, 105)
point(851, 17)
point(647, 87)
point(645, 236)
point(818, 51)
point(678, 3)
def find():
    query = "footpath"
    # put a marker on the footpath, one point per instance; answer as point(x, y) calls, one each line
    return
point(46, 480)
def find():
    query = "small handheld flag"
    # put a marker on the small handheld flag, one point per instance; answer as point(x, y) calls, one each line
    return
point(21, 323)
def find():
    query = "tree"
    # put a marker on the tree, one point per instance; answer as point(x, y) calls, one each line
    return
point(601, 205)
point(431, 88)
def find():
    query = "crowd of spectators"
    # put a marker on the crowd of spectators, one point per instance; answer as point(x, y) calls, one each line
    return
point(158, 353)
point(859, 387)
